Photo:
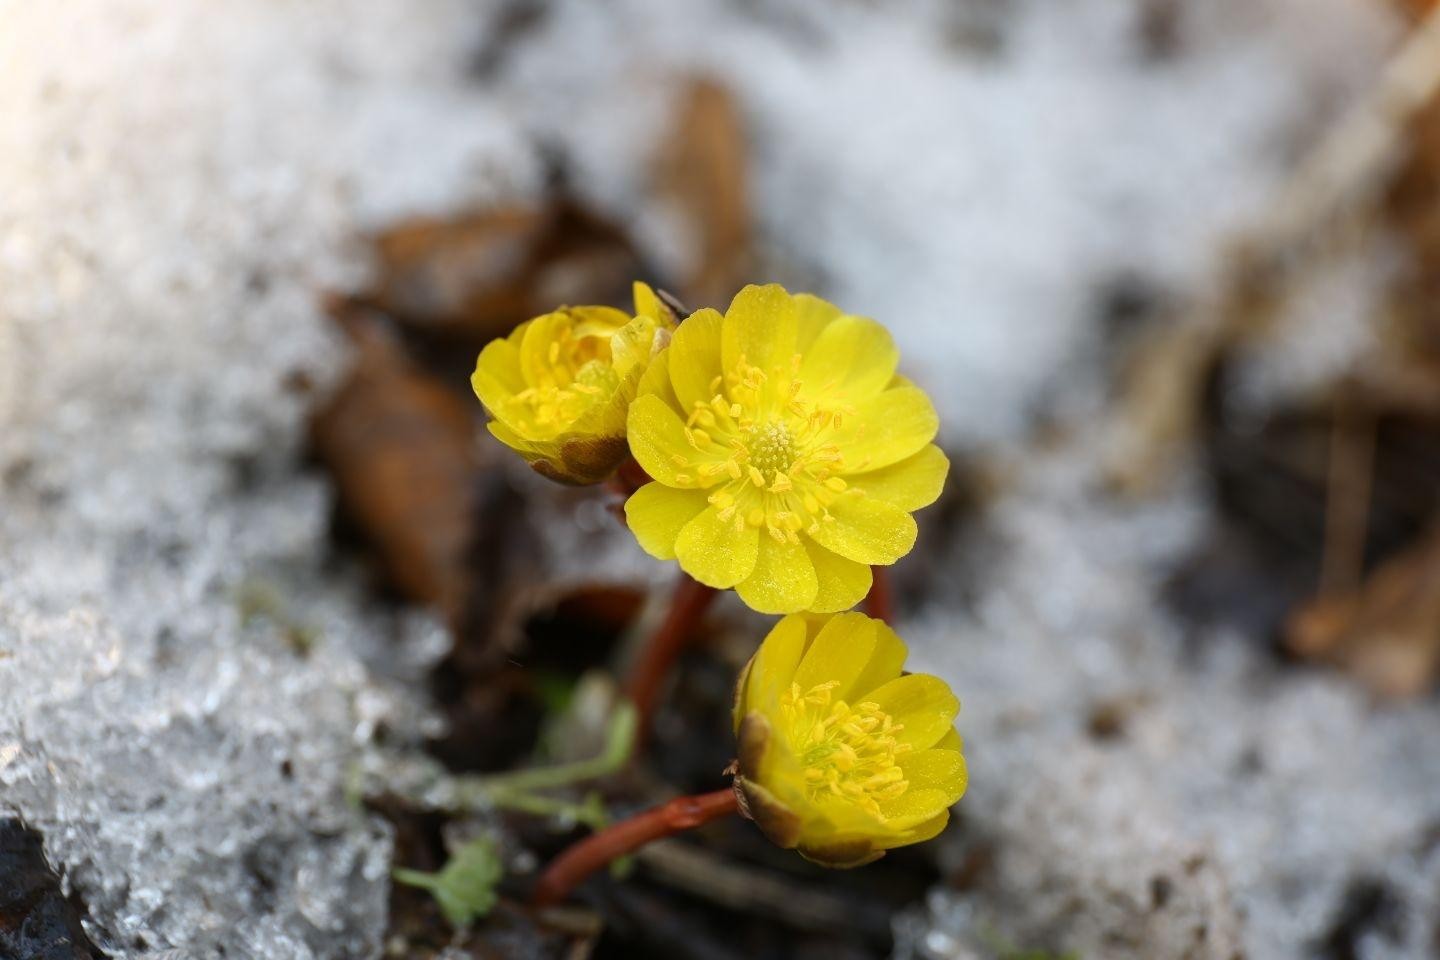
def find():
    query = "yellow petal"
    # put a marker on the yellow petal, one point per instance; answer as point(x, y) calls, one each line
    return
point(655, 381)
point(657, 513)
point(922, 703)
point(927, 830)
point(717, 552)
point(951, 741)
point(606, 416)
point(759, 327)
point(772, 668)
point(783, 580)
point(886, 428)
point(657, 438)
point(841, 852)
point(866, 530)
point(647, 304)
point(912, 483)
point(573, 459)
point(914, 807)
point(592, 321)
point(542, 332)
point(514, 441)
point(812, 315)
point(630, 345)
point(886, 661)
point(695, 358)
point(497, 374)
point(839, 653)
point(842, 583)
point(853, 357)
point(936, 769)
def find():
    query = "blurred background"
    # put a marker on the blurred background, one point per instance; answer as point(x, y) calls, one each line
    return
point(1168, 270)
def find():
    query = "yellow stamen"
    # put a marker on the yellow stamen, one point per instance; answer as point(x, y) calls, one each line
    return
point(846, 751)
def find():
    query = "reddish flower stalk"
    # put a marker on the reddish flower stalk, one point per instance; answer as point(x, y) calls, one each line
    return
point(687, 605)
point(570, 869)
point(880, 601)
point(663, 647)
point(629, 477)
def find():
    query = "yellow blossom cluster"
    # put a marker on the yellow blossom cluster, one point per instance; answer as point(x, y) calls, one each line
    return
point(785, 458)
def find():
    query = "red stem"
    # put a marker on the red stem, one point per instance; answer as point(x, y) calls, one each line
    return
point(629, 477)
point(880, 601)
point(662, 648)
point(570, 869)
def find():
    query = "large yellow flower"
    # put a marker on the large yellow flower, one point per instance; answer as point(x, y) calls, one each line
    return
point(842, 757)
point(786, 454)
point(559, 386)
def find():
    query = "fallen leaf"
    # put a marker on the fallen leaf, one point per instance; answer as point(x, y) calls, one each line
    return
point(1386, 633)
point(476, 276)
point(702, 175)
point(1405, 374)
point(402, 450)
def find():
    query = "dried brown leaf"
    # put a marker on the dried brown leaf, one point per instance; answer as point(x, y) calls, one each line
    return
point(1387, 633)
point(475, 276)
point(702, 173)
point(401, 449)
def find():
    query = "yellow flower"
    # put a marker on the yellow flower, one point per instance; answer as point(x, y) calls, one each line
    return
point(842, 757)
point(559, 386)
point(786, 454)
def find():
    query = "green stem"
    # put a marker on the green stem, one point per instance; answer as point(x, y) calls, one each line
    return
point(619, 741)
point(416, 878)
point(438, 790)
point(589, 811)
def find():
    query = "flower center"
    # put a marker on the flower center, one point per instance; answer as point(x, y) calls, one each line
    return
point(769, 454)
point(847, 751)
point(575, 375)
point(771, 449)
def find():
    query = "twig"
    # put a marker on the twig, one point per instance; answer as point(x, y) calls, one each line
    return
point(665, 931)
point(1347, 494)
point(744, 889)
point(683, 813)
point(1349, 165)
point(1337, 185)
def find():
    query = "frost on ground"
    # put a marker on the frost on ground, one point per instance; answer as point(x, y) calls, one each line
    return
point(1144, 793)
point(184, 689)
point(185, 686)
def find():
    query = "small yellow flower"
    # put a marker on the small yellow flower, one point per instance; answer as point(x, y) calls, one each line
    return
point(559, 386)
point(786, 454)
point(842, 757)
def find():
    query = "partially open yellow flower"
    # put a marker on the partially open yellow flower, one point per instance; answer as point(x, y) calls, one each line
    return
point(842, 757)
point(559, 386)
point(786, 454)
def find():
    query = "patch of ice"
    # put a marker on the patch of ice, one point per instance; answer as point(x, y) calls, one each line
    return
point(177, 185)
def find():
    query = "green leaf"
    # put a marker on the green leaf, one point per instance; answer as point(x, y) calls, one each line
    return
point(465, 887)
